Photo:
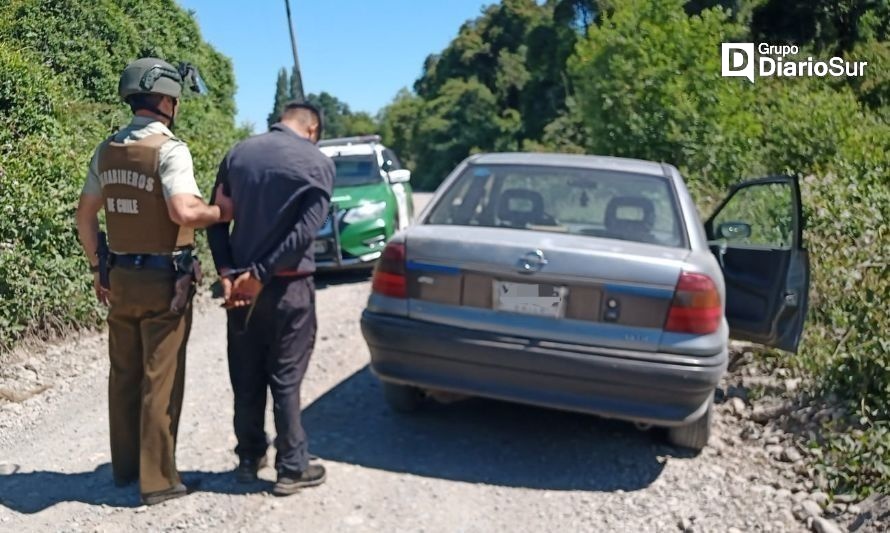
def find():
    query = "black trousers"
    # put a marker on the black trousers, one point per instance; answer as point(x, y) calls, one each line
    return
point(272, 350)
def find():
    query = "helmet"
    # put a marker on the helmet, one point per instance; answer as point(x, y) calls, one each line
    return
point(150, 75)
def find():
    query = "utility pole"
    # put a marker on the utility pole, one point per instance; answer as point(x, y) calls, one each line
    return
point(299, 94)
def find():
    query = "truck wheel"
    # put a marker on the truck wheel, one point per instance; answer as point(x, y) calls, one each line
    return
point(693, 436)
point(402, 398)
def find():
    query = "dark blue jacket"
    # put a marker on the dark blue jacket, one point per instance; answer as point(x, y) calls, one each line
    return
point(281, 186)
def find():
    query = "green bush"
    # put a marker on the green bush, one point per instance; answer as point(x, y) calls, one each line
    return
point(59, 65)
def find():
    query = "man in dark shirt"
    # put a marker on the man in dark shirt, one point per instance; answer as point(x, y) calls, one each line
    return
point(280, 183)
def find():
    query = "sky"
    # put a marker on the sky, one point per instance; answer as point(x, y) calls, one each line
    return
point(361, 51)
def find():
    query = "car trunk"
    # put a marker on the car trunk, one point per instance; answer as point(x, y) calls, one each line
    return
point(541, 285)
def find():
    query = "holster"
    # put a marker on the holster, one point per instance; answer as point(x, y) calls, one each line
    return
point(104, 256)
point(188, 276)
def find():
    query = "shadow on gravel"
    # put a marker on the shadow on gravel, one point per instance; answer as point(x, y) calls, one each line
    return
point(323, 280)
point(32, 492)
point(481, 441)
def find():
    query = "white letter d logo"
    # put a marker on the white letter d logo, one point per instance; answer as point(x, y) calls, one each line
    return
point(738, 60)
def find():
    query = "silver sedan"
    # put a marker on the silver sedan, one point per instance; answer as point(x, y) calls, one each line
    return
point(588, 284)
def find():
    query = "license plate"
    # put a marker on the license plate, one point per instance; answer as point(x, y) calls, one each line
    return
point(529, 298)
point(321, 247)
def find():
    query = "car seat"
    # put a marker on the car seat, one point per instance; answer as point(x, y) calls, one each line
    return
point(520, 216)
point(636, 228)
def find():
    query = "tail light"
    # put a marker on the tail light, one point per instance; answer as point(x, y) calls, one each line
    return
point(389, 274)
point(696, 306)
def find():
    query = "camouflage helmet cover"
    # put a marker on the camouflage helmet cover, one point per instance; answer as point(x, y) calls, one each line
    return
point(150, 75)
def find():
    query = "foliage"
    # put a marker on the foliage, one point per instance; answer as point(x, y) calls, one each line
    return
point(649, 85)
point(340, 120)
point(398, 122)
point(59, 65)
point(857, 460)
point(832, 26)
point(509, 65)
point(282, 96)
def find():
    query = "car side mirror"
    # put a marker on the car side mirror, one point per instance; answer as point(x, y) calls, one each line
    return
point(400, 176)
point(733, 231)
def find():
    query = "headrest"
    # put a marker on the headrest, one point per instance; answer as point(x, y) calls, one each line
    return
point(642, 209)
point(528, 209)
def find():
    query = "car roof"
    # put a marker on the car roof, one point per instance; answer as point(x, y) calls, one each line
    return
point(349, 149)
point(594, 162)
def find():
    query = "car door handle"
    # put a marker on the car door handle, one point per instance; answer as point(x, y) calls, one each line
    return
point(792, 299)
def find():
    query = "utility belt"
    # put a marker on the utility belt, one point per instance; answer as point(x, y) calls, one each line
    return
point(292, 274)
point(164, 263)
point(182, 262)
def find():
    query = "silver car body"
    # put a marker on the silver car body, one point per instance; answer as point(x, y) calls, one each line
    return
point(447, 335)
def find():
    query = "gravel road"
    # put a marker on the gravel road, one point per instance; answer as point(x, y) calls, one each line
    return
point(476, 465)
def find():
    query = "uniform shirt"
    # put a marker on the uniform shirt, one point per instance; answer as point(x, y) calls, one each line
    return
point(281, 186)
point(176, 169)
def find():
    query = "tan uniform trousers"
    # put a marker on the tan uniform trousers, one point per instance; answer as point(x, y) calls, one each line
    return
point(146, 344)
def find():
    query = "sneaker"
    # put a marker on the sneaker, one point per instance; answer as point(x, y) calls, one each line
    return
point(248, 468)
point(290, 482)
point(155, 498)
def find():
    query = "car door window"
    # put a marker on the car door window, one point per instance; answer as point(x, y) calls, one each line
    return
point(391, 161)
point(757, 216)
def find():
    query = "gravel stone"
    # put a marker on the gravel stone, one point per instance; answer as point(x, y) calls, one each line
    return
point(819, 497)
point(737, 406)
point(811, 508)
point(823, 525)
point(791, 385)
point(791, 455)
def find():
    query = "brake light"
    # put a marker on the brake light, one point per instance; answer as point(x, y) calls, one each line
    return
point(696, 306)
point(389, 274)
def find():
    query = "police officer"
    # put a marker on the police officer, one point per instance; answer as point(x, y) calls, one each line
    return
point(144, 179)
point(281, 186)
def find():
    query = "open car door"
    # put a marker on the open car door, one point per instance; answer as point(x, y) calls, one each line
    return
point(757, 236)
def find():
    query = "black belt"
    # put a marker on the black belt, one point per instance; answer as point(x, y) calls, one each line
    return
point(143, 262)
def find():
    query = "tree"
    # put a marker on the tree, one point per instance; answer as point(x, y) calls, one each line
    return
point(832, 26)
point(648, 84)
point(335, 113)
point(461, 120)
point(282, 95)
point(360, 123)
point(398, 122)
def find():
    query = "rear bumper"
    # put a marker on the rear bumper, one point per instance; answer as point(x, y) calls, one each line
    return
point(625, 385)
point(347, 263)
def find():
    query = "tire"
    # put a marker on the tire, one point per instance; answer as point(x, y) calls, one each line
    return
point(402, 398)
point(693, 436)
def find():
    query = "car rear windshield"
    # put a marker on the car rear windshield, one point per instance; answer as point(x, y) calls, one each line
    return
point(598, 203)
point(355, 170)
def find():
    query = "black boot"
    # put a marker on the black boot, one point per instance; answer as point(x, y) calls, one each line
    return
point(290, 482)
point(248, 468)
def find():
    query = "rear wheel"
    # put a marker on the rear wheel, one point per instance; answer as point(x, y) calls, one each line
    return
point(693, 436)
point(402, 398)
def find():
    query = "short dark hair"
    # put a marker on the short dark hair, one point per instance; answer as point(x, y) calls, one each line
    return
point(304, 112)
point(148, 102)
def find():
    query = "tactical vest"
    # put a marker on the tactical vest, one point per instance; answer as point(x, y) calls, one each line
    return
point(136, 214)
